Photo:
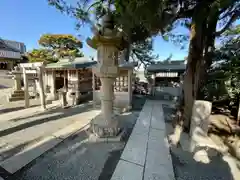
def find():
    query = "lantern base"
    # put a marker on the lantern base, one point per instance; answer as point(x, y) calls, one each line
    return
point(104, 130)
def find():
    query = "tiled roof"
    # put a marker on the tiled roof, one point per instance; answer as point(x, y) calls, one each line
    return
point(4, 46)
point(83, 62)
point(172, 66)
point(77, 63)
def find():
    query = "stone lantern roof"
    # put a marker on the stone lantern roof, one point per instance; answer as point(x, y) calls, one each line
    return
point(107, 35)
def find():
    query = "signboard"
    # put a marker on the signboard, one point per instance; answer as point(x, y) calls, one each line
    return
point(31, 71)
point(167, 74)
point(10, 54)
point(31, 65)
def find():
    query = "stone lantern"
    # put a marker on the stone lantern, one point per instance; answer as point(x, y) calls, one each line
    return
point(108, 42)
point(17, 78)
point(18, 93)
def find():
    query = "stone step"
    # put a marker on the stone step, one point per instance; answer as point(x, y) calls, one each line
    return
point(17, 95)
point(18, 98)
point(18, 92)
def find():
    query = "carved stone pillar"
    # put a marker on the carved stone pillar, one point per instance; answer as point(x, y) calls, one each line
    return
point(41, 88)
point(94, 90)
point(200, 122)
point(130, 88)
point(53, 86)
point(154, 84)
point(17, 81)
point(26, 95)
point(108, 42)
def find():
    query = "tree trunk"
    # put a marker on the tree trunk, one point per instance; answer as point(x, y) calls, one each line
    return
point(209, 47)
point(238, 115)
point(191, 82)
point(194, 64)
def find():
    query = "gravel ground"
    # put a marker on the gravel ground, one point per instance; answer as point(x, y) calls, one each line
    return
point(76, 158)
point(186, 168)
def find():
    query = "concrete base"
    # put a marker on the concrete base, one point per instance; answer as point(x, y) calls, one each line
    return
point(99, 128)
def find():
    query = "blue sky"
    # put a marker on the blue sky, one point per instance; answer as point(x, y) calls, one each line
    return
point(27, 20)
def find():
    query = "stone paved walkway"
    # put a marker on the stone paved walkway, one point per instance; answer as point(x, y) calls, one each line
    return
point(23, 130)
point(146, 155)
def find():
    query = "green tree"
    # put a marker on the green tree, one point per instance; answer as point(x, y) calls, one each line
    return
point(227, 61)
point(224, 74)
point(40, 55)
point(144, 18)
point(61, 44)
point(134, 27)
point(204, 18)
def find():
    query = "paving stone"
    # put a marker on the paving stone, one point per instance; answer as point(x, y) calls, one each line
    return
point(144, 122)
point(158, 123)
point(158, 173)
point(127, 171)
point(148, 143)
point(140, 129)
point(155, 158)
point(139, 138)
point(23, 158)
point(135, 151)
point(156, 134)
point(158, 145)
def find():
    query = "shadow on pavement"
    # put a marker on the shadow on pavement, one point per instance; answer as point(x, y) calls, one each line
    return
point(63, 114)
point(76, 157)
point(7, 110)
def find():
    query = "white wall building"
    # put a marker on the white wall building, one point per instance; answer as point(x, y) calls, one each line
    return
point(10, 53)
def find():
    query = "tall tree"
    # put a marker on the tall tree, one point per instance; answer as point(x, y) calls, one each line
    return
point(153, 17)
point(40, 55)
point(135, 27)
point(61, 44)
point(202, 43)
point(202, 18)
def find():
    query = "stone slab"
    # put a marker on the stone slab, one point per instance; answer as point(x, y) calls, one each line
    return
point(158, 173)
point(155, 158)
point(21, 159)
point(158, 145)
point(157, 122)
point(139, 129)
point(69, 130)
point(156, 134)
point(144, 121)
point(147, 146)
point(127, 171)
point(135, 151)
